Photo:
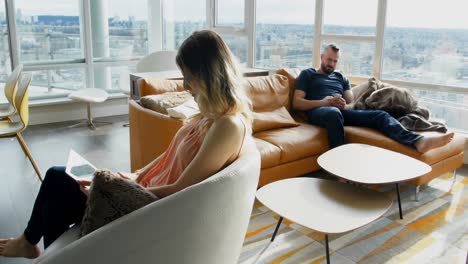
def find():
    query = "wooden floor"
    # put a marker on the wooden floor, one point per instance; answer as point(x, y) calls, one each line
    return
point(107, 147)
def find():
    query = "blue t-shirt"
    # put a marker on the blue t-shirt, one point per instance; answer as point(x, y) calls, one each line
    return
point(318, 86)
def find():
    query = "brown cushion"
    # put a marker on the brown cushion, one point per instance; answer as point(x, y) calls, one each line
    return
point(161, 102)
point(291, 74)
point(111, 197)
point(372, 137)
point(267, 93)
point(297, 142)
point(269, 153)
point(277, 118)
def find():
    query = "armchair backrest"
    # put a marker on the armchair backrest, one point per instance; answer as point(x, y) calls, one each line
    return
point(11, 86)
point(203, 224)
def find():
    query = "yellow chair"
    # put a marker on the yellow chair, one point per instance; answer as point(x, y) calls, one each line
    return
point(11, 128)
point(11, 86)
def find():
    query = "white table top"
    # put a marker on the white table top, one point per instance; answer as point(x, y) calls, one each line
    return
point(92, 95)
point(326, 206)
point(372, 165)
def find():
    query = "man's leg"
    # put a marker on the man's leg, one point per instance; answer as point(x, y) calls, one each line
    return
point(331, 119)
point(381, 121)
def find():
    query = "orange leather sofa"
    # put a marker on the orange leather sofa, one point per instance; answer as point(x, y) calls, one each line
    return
point(285, 152)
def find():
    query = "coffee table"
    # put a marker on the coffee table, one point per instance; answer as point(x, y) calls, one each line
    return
point(327, 206)
point(367, 164)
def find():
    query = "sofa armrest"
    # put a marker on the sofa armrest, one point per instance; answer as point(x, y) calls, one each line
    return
point(150, 134)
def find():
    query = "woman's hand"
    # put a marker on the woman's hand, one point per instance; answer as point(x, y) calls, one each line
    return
point(84, 186)
point(128, 175)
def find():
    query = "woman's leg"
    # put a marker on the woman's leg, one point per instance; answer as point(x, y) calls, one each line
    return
point(59, 204)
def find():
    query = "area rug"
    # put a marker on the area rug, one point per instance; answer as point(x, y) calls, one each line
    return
point(434, 230)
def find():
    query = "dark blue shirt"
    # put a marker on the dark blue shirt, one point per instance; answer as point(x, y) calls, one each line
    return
point(318, 86)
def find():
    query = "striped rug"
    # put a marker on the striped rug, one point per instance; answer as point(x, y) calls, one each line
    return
point(434, 230)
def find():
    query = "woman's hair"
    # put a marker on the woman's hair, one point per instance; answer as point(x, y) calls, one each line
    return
point(206, 58)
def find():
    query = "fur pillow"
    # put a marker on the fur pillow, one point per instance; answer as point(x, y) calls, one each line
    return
point(111, 197)
point(161, 102)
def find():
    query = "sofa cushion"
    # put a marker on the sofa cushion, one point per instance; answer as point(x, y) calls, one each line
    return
point(291, 74)
point(270, 154)
point(372, 137)
point(297, 142)
point(161, 102)
point(277, 118)
point(267, 92)
point(360, 89)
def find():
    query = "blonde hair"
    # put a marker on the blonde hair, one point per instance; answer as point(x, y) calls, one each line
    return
point(205, 56)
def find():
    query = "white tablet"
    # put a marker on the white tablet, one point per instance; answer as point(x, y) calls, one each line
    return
point(78, 167)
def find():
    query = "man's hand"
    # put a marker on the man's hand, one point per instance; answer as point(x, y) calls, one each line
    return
point(335, 101)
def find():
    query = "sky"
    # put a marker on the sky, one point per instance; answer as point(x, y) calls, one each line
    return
point(401, 13)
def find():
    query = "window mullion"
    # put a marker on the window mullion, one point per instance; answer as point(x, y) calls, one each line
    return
point(12, 33)
point(379, 43)
point(88, 43)
point(250, 28)
point(317, 32)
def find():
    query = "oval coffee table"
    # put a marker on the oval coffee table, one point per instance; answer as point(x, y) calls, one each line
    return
point(327, 206)
point(367, 164)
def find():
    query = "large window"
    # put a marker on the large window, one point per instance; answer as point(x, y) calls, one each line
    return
point(430, 47)
point(120, 29)
point(356, 57)
point(48, 34)
point(238, 45)
point(180, 19)
point(230, 13)
point(344, 17)
point(284, 33)
point(4, 50)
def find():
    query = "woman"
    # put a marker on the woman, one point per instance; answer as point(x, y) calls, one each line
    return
point(207, 144)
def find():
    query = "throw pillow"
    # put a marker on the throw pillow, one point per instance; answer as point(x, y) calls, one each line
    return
point(161, 102)
point(111, 197)
point(360, 89)
point(184, 111)
point(277, 118)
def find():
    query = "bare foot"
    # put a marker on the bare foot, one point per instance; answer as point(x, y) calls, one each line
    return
point(18, 248)
point(427, 143)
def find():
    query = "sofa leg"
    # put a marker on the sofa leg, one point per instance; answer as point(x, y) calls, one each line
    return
point(454, 176)
point(416, 193)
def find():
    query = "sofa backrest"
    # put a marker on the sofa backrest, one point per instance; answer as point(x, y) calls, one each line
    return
point(268, 92)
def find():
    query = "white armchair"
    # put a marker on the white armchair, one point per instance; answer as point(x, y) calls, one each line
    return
point(203, 224)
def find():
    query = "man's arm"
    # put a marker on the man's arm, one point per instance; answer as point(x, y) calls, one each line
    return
point(349, 98)
point(300, 103)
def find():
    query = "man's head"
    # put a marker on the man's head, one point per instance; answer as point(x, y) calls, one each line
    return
point(329, 58)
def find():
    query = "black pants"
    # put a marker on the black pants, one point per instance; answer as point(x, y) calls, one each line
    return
point(59, 204)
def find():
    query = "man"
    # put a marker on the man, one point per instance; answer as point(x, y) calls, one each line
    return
point(328, 100)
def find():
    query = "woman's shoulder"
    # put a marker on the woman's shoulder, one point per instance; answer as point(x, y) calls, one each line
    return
point(235, 122)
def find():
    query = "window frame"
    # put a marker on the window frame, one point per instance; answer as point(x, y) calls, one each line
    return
point(88, 61)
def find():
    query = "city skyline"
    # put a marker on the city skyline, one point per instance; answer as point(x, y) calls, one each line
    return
point(401, 13)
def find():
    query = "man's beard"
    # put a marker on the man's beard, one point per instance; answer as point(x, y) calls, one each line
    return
point(325, 69)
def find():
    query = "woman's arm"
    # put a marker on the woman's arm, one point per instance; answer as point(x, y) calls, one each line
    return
point(220, 146)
